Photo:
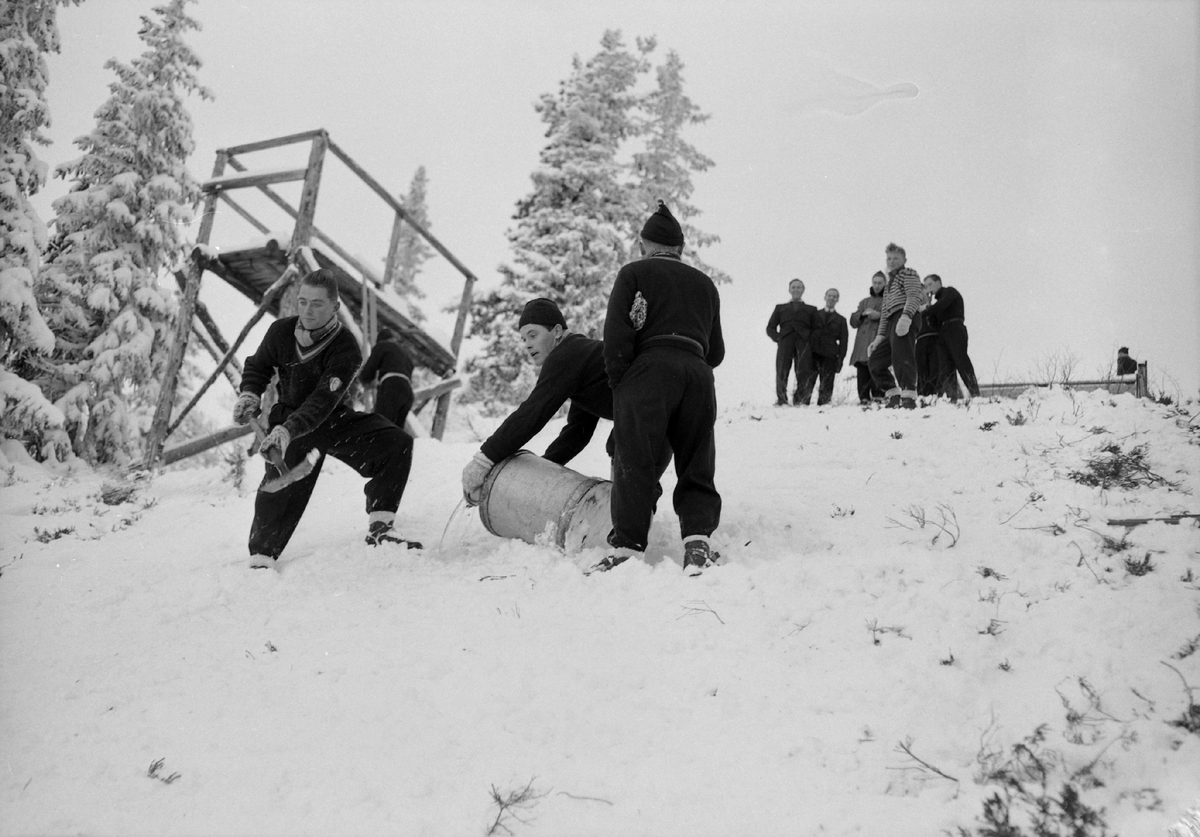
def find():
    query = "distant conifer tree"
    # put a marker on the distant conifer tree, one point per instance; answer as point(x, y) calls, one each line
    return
point(412, 250)
point(664, 168)
point(121, 228)
point(573, 228)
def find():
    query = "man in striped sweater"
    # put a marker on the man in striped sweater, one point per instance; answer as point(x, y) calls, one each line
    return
point(894, 347)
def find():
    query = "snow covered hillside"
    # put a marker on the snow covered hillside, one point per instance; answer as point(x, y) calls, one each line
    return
point(916, 612)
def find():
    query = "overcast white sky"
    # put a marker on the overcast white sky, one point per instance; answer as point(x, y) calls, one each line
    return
point(1046, 165)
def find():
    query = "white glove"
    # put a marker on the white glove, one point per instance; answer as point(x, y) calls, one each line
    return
point(279, 437)
point(473, 476)
point(875, 344)
point(245, 408)
point(902, 325)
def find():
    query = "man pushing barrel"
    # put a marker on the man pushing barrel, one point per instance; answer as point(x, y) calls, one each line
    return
point(571, 368)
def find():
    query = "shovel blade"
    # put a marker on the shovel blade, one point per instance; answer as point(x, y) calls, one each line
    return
point(296, 474)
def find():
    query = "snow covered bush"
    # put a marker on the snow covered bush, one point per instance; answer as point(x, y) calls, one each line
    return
point(591, 193)
point(28, 30)
point(121, 227)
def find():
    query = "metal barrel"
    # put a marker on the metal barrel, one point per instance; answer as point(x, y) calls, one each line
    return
point(525, 495)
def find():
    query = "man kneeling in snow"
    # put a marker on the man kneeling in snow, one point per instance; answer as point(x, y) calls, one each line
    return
point(571, 367)
point(316, 360)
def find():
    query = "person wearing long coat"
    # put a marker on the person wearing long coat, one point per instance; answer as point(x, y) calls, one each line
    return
point(865, 321)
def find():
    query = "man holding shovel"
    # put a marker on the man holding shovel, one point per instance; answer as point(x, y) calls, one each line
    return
point(316, 359)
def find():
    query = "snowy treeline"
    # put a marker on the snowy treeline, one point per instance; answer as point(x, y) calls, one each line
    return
point(92, 306)
point(28, 30)
point(611, 153)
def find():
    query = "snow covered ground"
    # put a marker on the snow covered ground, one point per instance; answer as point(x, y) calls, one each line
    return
point(846, 670)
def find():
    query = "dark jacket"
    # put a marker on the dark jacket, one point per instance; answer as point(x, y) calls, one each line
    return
point(949, 306)
point(1126, 365)
point(309, 391)
point(661, 300)
point(792, 318)
point(387, 357)
point(831, 336)
point(866, 327)
point(573, 370)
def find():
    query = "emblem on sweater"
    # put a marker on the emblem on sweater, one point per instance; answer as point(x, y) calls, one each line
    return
point(637, 314)
point(335, 384)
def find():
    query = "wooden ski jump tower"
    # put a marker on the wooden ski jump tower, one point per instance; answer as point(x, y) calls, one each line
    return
point(265, 274)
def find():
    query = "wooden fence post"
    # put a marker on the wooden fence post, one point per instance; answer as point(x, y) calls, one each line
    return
point(183, 329)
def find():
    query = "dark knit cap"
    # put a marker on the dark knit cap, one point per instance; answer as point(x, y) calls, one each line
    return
point(543, 312)
point(662, 228)
point(385, 334)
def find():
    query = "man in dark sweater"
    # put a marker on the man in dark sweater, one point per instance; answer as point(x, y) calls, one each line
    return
point(662, 339)
point(949, 311)
point(571, 367)
point(390, 368)
point(830, 337)
point(791, 326)
point(316, 359)
point(928, 352)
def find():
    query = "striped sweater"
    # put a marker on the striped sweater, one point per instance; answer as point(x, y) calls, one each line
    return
point(902, 295)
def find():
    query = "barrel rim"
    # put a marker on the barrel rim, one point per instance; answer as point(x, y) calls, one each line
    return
point(486, 489)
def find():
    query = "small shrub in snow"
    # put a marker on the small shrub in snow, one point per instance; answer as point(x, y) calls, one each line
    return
point(946, 524)
point(1190, 719)
point(877, 632)
point(896, 434)
point(153, 773)
point(47, 535)
point(1016, 419)
point(988, 425)
point(1138, 568)
point(510, 806)
point(1025, 805)
point(1112, 467)
point(116, 493)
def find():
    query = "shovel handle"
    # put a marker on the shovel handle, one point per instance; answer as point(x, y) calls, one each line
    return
point(273, 454)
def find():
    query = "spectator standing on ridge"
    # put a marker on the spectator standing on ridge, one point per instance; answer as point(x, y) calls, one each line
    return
point(662, 339)
point(865, 321)
point(952, 337)
point(316, 360)
point(571, 367)
point(830, 340)
point(1125, 364)
point(790, 326)
point(928, 353)
point(894, 345)
point(390, 368)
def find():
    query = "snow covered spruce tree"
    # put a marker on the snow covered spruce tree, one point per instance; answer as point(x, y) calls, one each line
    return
point(28, 30)
point(412, 251)
point(118, 231)
point(573, 230)
point(663, 170)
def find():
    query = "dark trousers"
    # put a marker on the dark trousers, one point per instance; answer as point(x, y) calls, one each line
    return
point(866, 384)
point(666, 396)
point(898, 353)
point(792, 352)
point(367, 442)
point(824, 369)
point(930, 380)
point(953, 338)
point(393, 400)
